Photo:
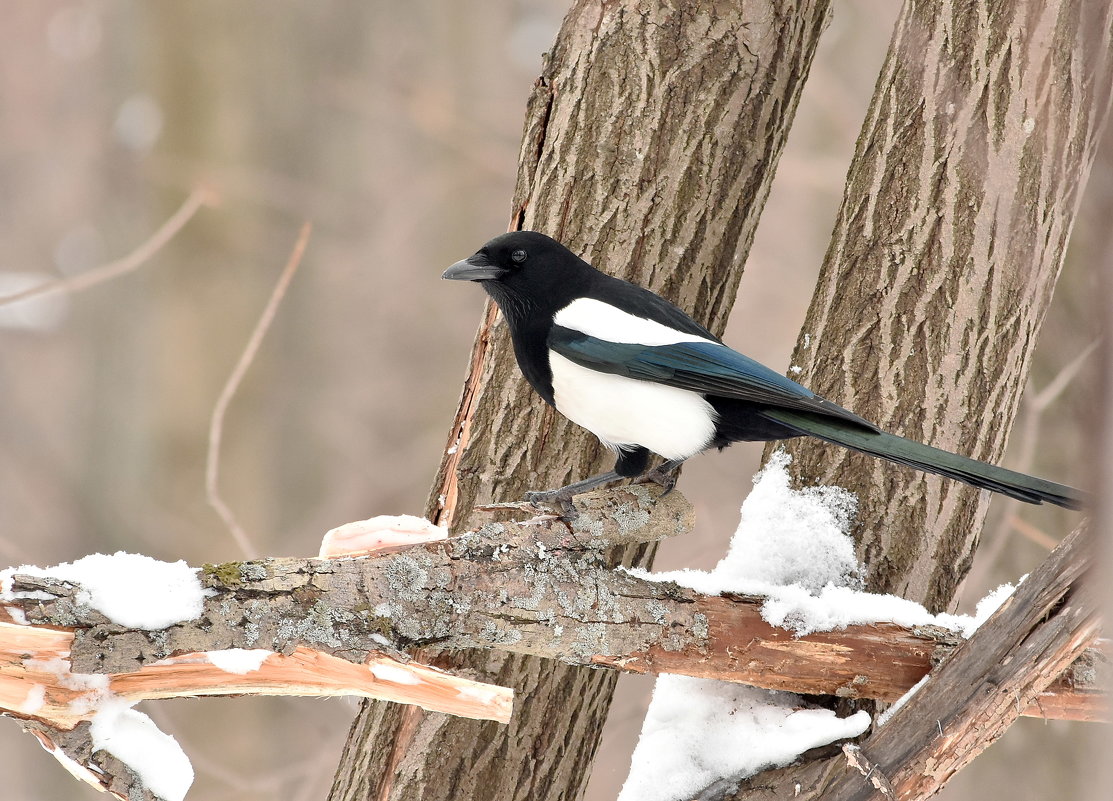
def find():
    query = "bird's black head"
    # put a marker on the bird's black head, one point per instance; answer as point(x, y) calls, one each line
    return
point(526, 273)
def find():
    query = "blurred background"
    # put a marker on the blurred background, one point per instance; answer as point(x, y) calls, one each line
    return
point(394, 129)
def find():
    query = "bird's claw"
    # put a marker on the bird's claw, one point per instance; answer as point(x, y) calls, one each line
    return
point(561, 500)
point(663, 475)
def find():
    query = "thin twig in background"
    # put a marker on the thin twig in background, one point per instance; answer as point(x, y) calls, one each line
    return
point(216, 423)
point(1030, 420)
point(199, 197)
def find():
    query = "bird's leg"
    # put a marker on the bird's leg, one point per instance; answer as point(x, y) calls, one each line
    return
point(631, 462)
point(562, 497)
point(664, 474)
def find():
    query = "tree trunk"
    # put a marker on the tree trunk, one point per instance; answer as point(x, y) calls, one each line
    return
point(958, 207)
point(650, 142)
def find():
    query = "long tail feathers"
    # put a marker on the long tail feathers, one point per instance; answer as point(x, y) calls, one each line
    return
point(932, 460)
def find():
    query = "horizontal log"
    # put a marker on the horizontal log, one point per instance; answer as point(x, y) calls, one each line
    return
point(539, 586)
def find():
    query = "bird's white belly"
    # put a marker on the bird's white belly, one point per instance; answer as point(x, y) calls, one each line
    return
point(674, 423)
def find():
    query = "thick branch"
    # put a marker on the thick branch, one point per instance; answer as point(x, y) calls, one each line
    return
point(976, 694)
point(537, 587)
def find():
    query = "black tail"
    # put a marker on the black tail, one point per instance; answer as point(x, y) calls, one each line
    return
point(931, 460)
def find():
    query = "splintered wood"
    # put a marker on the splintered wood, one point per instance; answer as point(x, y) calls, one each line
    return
point(36, 680)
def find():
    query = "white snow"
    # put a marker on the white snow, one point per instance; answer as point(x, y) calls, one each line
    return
point(154, 756)
point(238, 660)
point(480, 694)
point(793, 548)
point(36, 697)
point(129, 589)
point(93, 687)
point(394, 674)
point(17, 616)
point(987, 606)
point(700, 730)
point(137, 592)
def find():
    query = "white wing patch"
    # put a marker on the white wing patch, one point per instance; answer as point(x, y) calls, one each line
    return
point(603, 321)
point(623, 411)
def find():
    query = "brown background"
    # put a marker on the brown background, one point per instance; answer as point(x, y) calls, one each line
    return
point(394, 128)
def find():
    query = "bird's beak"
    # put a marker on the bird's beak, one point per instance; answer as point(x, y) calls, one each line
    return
point(474, 268)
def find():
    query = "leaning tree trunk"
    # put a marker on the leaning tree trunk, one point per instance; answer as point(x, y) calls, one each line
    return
point(649, 146)
point(958, 206)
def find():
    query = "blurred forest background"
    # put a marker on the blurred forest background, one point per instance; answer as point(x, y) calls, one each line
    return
point(394, 128)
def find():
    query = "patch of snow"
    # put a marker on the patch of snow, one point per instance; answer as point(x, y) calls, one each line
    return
point(698, 731)
point(793, 548)
point(154, 756)
point(238, 660)
point(394, 674)
point(791, 545)
point(34, 701)
point(129, 589)
point(93, 687)
point(17, 616)
point(988, 605)
point(482, 695)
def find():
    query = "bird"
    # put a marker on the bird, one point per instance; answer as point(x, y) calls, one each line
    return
point(644, 377)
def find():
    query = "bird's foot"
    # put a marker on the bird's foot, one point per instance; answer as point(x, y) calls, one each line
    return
point(558, 498)
point(561, 498)
point(664, 475)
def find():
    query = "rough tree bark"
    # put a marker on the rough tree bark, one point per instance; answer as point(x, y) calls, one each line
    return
point(542, 587)
point(957, 211)
point(649, 145)
point(958, 207)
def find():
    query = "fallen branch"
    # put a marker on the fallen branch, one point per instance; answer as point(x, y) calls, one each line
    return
point(540, 586)
point(1002, 671)
point(37, 680)
point(537, 587)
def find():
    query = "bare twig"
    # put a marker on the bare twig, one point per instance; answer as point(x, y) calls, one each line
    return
point(198, 197)
point(216, 423)
point(1034, 405)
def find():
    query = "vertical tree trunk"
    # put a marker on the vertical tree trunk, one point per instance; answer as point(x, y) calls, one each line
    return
point(649, 146)
point(958, 207)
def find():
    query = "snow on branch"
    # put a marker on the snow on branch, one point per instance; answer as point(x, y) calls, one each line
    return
point(84, 643)
point(969, 701)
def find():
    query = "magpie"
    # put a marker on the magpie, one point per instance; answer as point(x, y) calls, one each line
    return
point(643, 376)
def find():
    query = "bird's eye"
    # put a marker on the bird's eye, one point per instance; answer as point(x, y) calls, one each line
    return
point(518, 256)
